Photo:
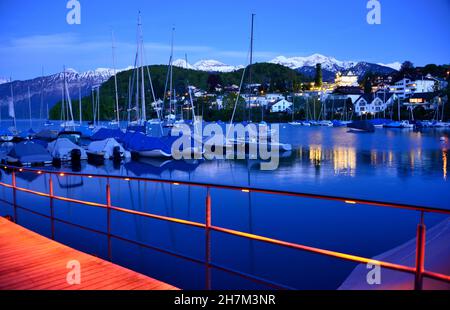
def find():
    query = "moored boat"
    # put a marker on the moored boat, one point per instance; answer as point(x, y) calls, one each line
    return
point(62, 150)
point(28, 154)
point(363, 126)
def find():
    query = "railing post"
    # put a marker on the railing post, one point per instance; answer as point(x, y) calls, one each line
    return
point(14, 185)
point(52, 211)
point(108, 214)
point(420, 254)
point(208, 239)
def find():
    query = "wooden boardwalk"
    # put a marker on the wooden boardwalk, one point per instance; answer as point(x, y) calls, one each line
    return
point(29, 261)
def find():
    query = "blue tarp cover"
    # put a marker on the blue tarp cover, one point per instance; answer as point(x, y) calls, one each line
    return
point(106, 133)
point(138, 142)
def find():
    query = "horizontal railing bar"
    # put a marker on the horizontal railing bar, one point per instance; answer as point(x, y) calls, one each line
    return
point(246, 189)
point(172, 253)
point(160, 217)
point(330, 253)
point(436, 276)
point(213, 265)
point(82, 202)
point(348, 257)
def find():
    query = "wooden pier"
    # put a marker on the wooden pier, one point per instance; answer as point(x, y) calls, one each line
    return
point(29, 261)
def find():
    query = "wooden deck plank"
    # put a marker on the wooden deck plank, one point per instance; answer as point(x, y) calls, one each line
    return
point(32, 262)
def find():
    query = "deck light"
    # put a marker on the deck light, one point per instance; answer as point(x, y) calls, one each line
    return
point(90, 176)
point(127, 179)
point(176, 184)
point(39, 172)
point(246, 191)
point(351, 202)
point(61, 174)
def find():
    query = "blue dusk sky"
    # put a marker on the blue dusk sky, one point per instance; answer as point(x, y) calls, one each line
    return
point(35, 34)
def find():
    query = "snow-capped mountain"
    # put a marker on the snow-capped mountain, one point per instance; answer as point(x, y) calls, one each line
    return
point(328, 63)
point(52, 89)
point(214, 66)
point(206, 65)
point(181, 63)
point(330, 66)
point(3, 80)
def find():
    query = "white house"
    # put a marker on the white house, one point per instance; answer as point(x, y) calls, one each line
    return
point(374, 103)
point(281, 106)
point(405, 88)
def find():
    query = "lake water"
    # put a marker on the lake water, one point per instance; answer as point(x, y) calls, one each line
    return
point(389, 165)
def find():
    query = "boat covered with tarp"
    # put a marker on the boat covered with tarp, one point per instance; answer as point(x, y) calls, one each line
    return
point(108, 148)
point(147, 146)
point(364, 126)
point(28, 154)
point(63, 148)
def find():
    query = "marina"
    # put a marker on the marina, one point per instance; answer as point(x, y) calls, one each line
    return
point(224, 149)
point(343, 164)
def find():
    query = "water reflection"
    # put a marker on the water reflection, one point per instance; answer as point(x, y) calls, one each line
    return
point(444, 164)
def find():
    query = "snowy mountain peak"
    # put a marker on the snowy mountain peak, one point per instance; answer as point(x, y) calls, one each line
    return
point(208, 65)
point(181, 63)
point(71, 70)
point(211, 65)
point(3, 80)
point(329, 63)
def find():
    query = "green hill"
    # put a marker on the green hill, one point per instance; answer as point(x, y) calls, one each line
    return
point(273, 77)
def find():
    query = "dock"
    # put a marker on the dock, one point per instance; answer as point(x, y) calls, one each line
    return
point(29, 261)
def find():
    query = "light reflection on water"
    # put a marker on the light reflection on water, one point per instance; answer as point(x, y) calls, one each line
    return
point(389, 165)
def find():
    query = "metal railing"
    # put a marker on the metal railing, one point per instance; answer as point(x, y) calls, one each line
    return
point(418, 270)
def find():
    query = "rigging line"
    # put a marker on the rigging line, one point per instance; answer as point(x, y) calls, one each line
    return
point(238, 95)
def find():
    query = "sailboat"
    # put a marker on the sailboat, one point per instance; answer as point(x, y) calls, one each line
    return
point(9, 134)
point(29, 134)
point(294, 122)
point(47, 122)
point(136, 139)
point(66, 107)
point(399, 123)
point(171, 118)
point(254, 139)
point(116, 122)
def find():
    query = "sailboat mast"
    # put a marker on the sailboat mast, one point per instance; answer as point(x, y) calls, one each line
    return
point(12, 112)
point(63, 105)
point(250, 69)
point(41, 107)
point(79, 105)
point(141, 41)
point(115, 76)
point(29, 106)
point(171, 73)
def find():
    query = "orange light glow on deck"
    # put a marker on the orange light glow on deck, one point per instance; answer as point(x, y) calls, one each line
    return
point(350, 202)
point(61, 174)
point(176, 184)
point(245, 190)
point(90, 177)
point(20, 170)
point(39, 172)
point(127, 179)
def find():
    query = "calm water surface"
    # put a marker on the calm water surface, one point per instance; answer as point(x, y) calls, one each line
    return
point(390, 165)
